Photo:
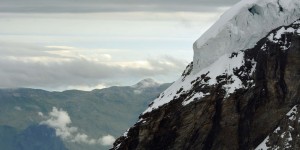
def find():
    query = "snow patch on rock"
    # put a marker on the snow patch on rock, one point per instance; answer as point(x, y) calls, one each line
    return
point(225, 65)
point(286, 135)
point(276, 37)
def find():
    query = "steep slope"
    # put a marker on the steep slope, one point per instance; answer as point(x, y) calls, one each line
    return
point(286, 135)
point(235, 103)
point(95, 113)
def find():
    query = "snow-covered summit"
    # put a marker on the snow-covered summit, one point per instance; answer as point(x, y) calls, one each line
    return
point(146, 83)
point(241, 27)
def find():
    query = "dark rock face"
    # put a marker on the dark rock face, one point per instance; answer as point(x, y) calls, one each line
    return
point(287, 135)
point(241, 120)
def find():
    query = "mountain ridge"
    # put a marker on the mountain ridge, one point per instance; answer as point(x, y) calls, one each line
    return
point(234, 103)
point(240, 120)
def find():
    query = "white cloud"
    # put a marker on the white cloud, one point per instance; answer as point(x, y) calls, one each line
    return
point(41, 114)
point(18, 108)
point(61, 122)
point(83, 138)
point(83, 87)
point(107, 140)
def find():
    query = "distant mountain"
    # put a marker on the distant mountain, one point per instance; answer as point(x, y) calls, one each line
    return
point(146, 83)
point(95, 113)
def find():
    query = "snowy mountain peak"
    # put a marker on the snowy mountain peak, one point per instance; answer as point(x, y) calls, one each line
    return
point(245, 93)
point(146, 83)
point(243, 80)
point(241, 27)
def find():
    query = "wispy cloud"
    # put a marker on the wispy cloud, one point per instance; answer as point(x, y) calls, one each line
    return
point(61, 122)
point(60, 67)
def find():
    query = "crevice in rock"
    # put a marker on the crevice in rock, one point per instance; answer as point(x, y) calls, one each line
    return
point(216, 127)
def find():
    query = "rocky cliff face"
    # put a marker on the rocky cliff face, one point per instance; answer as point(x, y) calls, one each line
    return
point(243, 106)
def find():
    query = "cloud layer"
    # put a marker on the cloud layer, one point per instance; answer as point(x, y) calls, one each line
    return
point(61, 122)
point(111, 6)
point(24, 65)
point(164, 28)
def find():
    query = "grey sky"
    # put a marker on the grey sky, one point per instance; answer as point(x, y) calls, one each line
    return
point(86, 44)
point(79, 6)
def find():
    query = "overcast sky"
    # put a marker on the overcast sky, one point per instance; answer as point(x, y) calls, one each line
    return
point(73, 44)
point(81, 6)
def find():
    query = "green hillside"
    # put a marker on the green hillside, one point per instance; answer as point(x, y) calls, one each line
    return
point(95, 113)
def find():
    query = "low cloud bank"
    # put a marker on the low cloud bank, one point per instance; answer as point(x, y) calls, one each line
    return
point(61, 122)
point(62, 68)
